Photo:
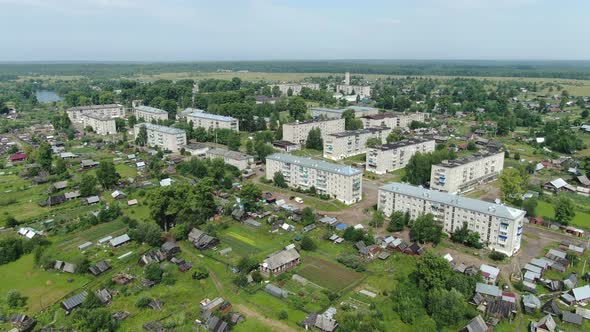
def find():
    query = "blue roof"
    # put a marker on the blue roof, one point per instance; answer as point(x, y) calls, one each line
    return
point(210, 116)
point(341, 226)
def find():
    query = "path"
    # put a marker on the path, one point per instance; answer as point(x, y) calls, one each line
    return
point(273, 324)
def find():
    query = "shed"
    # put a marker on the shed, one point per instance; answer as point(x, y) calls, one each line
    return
point(92, 200)
point(477, 324)
point(119, 240)
point(75, 301)
point(572, 318)
point(85, 246)
point(276, 291)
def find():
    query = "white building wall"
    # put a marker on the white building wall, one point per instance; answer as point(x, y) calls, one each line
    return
point(453, 179)
point(297, 132)
point(337, 147)
point(384, 159)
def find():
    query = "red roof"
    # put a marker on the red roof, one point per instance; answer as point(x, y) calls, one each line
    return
point(18, 156)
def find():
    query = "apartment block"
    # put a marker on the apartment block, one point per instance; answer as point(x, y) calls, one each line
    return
point(240, 160)
point(297, 132)
point(460, 175)
point(336, 113)
point(148, 113)
point(295, 87)
point(352, 142)
point(213, 121)
point(101, 124)
point(390, 157)
point(392, 119)
point(364, 91)
point(110, 110)
point(339, 181)
point(499, 227)
point(167, 138)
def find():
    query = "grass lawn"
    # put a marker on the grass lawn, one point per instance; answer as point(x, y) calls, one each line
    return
point(43, 288)
point(73, 240)
point(330, 275)
point(547, 211)
point(126, 171)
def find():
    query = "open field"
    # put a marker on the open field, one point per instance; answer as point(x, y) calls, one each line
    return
point(330, 275)
point(42, 288)
point(581, 219)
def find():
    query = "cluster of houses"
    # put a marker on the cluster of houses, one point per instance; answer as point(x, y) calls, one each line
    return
point(217, 315)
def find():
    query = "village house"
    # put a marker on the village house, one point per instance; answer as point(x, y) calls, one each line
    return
point(279, 262)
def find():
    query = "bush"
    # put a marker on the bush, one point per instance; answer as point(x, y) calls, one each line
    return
point(497, 256)
point(307, 244)
point(200, 273)
point(153, 272)
point(283, 315)
point(15, 300)
point(142, 302)
point(353, 262)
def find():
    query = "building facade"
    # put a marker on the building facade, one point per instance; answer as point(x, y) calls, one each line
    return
point(390, 157)
point(341, 182)
point(148, 113)
point(213, 121)
point(336, 113)
point(352, 142)
point(499, 227)
point(110, 110)
point(100, 124)
point(295, 87)
point(297, 132)
point(240, 160)
point(455, 176)
point(392, 119)
point(167, 138)
point(364, 91)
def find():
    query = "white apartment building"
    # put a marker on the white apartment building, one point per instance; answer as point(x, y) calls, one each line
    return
point(297, 132)
point(455, 176)
point(182, 114)
point(167, 138)
point(499, 227)
point(352, 142)
point(390, 157)
point(148, 113)
point(392, 119)
point(336, 113)
point(240, 160)
point(110, 110)
point(339, 181)
point(101, 124)
point(364, 91)
point(295, 87)
point(213, 121)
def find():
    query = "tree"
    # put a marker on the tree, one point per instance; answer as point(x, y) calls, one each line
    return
point(283, 315)
point(471, 146)
point(513, 183)
point(10, 221)
point(314, 140)
point(279, 180)
point(395, 135)
point(92, 301)
point(141, 139)
point(250, 147)
point(153, 272)
point(307, 243)
point(44, 157)
point(131, 121)
point(146, 232)
point(249, 195)
point(307, 216)
point(263, 150)
point(350, 120)
point(90, 320)
point(87, 185)
point(530, 206)
point(377, 219)
point(585, 114)
point(373, 142)
point(396, 222)
point(564, 210)
point(446, 307)
point(60, 167)
point(426, 229)
point(107, 174)
point(14, 299)
point(119, 124)
point(297, 107)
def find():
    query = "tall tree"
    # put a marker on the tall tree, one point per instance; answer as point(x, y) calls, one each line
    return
point(314, 140)
point(44, 156)
point(141, 139)
point(297, 108)
point(87, 185)
point(107, 174)
point(279, 180)
point(350, 120)
point(426, 229)
point(249, 195)
point(513, 183)
point(564, 210)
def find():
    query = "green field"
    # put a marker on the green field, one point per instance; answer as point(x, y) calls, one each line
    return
point(581, 219)
point(43, 288)
point(330, 275)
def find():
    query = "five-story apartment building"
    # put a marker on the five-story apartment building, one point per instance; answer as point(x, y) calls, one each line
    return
point(352, 142)
point(390, 157)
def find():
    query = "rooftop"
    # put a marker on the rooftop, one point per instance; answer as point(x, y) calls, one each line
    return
point(149, 109)
point(229, 154)
point(210, 116)
point(341, 110)
point(501, 211)
point(280, 258)
point(359, 132)
point(93, 107)
point(163, 129)
point(101, 117)
point(316, 164)
point(469, 159)
point(403, 143)
point(296, 123)
point(384, 115)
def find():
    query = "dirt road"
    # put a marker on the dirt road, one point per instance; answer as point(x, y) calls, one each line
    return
point(271, 323)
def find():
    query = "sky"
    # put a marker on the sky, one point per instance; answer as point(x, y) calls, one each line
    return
point(197, 30)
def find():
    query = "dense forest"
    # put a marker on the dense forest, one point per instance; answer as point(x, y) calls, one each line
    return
point(547, 69)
